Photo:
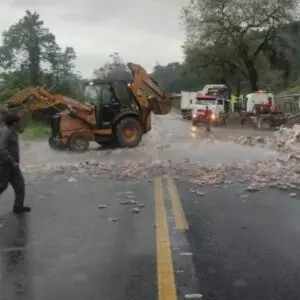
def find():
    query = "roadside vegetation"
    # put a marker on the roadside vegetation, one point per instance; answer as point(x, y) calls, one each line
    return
point(36, 130)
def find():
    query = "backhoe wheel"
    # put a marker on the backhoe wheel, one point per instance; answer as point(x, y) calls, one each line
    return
point(78, 142)
point(54, 145)
point(129, 132)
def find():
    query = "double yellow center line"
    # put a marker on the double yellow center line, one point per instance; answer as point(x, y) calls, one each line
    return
point(165, 270)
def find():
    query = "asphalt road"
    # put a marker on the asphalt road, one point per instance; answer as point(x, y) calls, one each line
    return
point(84, 241)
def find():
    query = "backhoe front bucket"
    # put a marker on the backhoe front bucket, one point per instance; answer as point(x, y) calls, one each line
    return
point(160, 107)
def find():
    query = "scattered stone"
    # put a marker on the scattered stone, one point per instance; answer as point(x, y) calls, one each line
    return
point(72, 180)
point(132, 202)
point(244, 196)
point(136, 210)
point(141, 205)
point(283, 187)
point(113, 219)
point(252, 189)
point(193, 296)
point(186, 253)
point(124, 202)
point(293, 195)
point(200, 193)
point(128, 192)
point(102, 206)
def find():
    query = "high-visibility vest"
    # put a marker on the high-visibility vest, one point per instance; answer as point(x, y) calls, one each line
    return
point(233, 99)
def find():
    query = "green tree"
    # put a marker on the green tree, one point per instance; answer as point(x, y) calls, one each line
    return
point(115, 69)
point(29, 55)
point(26, 44)
point(174, 78)
point(223, 30)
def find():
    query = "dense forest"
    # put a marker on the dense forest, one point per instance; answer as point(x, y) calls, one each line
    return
point(218, 49)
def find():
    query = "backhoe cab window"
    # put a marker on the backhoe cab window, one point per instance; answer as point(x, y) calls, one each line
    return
point(92, 94)
point(97, 94)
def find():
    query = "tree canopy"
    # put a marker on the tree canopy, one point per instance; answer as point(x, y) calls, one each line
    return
point(236, 40)
point(30, 55)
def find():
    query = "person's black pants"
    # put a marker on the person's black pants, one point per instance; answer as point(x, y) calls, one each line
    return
point(15, 177)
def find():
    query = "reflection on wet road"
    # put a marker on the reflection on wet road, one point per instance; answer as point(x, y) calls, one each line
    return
point(99, 238)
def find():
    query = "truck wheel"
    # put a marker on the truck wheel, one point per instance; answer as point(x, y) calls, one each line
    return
point(78, 143)
point(129, 132)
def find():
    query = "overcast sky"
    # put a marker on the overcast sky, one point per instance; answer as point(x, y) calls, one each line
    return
point(142, 31)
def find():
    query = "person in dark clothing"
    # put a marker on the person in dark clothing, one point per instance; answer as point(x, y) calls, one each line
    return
point(10, 171)
point(208, 114)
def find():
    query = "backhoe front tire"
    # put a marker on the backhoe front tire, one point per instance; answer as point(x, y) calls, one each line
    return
point(129, 132)
point(78, 142)
point(54, 145)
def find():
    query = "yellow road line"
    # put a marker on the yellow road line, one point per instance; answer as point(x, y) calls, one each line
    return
point(165, 271)
point(178, 212)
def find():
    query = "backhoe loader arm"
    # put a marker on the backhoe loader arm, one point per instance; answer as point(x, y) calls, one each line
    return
point(161, 103)
point(37, 98)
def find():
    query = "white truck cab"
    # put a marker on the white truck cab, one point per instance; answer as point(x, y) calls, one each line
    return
point(216, 105)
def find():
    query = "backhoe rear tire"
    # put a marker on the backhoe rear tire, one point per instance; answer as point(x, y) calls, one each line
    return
point(129, 132)
point(78, 142)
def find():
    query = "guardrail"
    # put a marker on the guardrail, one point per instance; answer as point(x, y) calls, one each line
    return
point(288, 103)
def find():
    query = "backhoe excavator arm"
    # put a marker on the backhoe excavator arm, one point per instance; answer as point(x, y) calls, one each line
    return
point(37, 98)
point(161, 103)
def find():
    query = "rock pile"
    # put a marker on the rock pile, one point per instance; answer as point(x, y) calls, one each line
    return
point(259, 174)
point(283, 140)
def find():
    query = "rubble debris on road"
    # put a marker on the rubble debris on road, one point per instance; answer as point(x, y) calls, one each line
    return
point(293, 195)
point(277, 172)
point(113, 219)
point(136, 210)
point(283, 140)
point(258, 174)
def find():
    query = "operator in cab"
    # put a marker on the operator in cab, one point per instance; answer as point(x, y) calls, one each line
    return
point(10, 171)
point(208, 116)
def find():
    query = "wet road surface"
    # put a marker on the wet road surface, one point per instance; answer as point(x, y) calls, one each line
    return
point(85, 240)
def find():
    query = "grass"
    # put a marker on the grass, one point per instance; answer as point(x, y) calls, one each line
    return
point(36, 130)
